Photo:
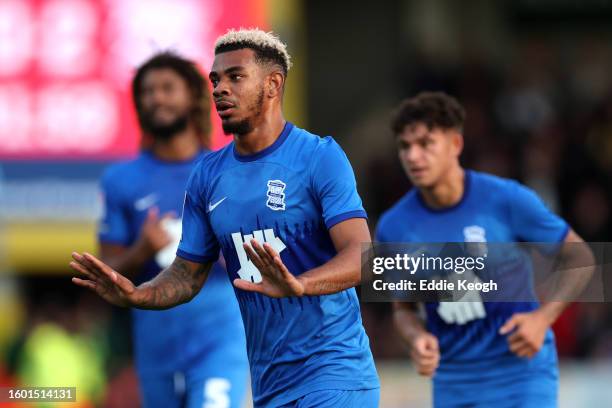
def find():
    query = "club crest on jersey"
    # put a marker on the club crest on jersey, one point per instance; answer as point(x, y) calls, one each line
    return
point(474, 233)
point(475, 239)
point(276, 195)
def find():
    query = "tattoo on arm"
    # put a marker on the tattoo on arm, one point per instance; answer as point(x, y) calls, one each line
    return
point(324, 287)
point(177, 284)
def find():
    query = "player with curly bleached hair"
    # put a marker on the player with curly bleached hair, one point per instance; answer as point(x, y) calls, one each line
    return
point(282, 205)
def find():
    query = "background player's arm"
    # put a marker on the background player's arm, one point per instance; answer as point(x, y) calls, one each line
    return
point(177, 284)
point(131, 259)
point(128, 259)
point(424, 349)
point(576, 269)
point(528, 330)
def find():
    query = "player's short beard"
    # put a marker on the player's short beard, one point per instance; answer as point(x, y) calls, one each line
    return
point(164, 132)
point(245, 125)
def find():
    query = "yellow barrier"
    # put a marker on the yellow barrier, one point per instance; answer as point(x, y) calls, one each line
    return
point(44, 247)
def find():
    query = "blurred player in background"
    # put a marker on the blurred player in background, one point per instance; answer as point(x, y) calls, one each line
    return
point(193, 355)
point(282, 205)
point(479, 354)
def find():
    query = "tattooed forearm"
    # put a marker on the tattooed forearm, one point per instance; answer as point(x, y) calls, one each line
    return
point(332, 287)
point(177, 284)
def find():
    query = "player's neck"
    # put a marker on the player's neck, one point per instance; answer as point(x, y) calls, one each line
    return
point(263, 134)
point(446, 193)
point(182, 146)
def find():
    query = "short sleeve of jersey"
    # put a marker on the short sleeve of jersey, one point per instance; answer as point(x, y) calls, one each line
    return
point(113, 226)
point(381, 234)
point(198, 242)
point(531, 220)
point(334, 184)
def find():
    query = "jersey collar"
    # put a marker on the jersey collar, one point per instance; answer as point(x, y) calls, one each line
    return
point(466, 193)
point(268, 150)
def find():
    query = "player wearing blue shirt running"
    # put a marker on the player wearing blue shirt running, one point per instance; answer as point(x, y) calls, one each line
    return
point(192, 355)
point(480, 354)
point(282, 206)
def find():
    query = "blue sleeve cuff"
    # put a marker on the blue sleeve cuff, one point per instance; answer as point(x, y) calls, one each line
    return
point(345, 216)
point(564, 233)
point(196, 258)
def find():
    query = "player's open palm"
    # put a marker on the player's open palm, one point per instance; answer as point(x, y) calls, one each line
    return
point(276, 281)
point(102, 279)
point(425, 353)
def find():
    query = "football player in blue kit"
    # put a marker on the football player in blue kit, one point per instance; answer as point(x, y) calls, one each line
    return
point(282, 206)
point(479, 354)
point(193, 355)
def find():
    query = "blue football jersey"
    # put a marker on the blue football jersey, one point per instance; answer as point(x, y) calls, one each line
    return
point(289, 195)
point(176, 339)
point(494, 210)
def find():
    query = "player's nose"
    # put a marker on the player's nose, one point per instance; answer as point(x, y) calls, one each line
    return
point(157, 99)
point(414, 154)
point(221, 89)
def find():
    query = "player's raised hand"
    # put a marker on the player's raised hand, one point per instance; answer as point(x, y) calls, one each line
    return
point(153, 236)
point(277, 281)
point(102, 279)
point(425, 353)
point(528, 331)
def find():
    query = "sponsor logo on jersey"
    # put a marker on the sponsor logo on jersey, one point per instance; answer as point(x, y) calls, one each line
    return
point(247, 270)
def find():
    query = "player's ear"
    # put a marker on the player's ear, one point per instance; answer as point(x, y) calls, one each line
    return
point(274, 86)
point(457, 141)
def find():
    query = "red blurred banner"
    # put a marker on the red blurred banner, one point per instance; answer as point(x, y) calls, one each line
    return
point(66, 66)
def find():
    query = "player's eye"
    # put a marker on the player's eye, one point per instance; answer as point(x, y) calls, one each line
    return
point(236, 77)
point(402, 145)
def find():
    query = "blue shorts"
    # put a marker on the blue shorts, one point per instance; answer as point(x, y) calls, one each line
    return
point(221, 388)
point(535, 390)
point(337, 399)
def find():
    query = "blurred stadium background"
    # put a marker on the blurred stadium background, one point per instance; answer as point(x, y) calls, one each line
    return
point(533, 75)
